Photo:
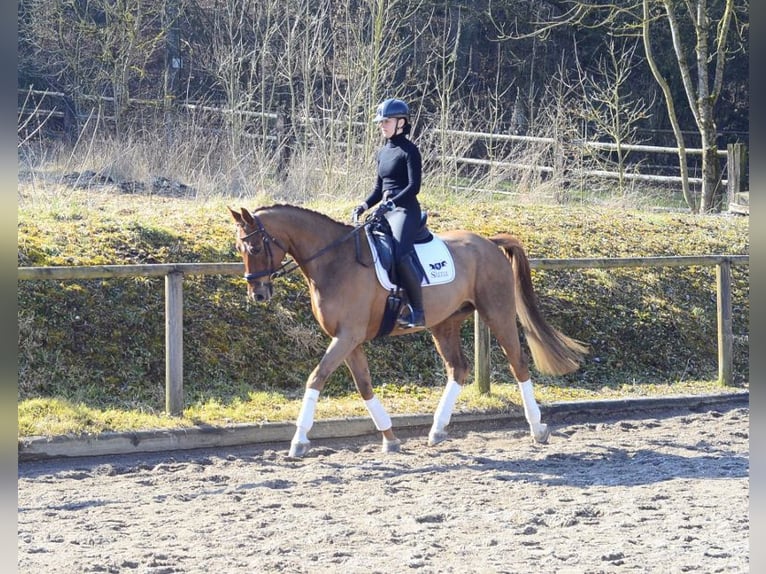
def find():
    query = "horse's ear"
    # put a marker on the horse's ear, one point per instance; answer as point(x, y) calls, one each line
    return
point(246, 216)
point(236, 216)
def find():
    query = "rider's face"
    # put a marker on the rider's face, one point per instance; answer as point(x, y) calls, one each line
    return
point(389, 127)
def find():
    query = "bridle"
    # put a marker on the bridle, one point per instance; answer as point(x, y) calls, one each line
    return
point(267, 240)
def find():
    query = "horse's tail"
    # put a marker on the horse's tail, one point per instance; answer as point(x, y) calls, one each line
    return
point(552, 351)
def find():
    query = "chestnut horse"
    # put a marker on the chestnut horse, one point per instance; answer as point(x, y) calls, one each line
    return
point(492, 277)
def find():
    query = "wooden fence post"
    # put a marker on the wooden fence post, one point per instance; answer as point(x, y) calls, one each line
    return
point(481, 353)
point(725, 335)
point(174, 343)
point(735, 171)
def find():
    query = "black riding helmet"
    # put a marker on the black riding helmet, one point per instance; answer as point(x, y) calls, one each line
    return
point(391, 108)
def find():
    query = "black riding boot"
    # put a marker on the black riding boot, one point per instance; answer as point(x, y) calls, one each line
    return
point(410, 280)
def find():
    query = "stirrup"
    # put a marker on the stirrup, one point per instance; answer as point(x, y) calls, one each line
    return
point(411, 318)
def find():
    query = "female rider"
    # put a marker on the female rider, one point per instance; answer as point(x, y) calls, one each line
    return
point(396, 189)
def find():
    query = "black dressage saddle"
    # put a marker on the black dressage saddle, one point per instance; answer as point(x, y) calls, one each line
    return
point(379, 232)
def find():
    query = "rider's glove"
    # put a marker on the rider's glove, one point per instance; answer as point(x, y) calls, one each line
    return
point(385, 207)
point(358, 210)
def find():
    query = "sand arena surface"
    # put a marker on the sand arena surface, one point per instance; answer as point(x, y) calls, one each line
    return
point(660, 491)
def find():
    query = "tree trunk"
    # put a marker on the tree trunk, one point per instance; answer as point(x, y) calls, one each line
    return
point(712, 190)
point(172, 65)
point(668, 96)
point(702, 98)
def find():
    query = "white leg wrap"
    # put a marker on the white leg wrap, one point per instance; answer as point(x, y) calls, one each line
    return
point(306, 417)
point(446, 404)
point(531, 410)
point(378, 413)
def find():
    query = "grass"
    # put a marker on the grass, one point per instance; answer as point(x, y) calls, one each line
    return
point(91, 353)
point(56, 416)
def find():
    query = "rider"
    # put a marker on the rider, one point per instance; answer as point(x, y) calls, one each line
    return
point(396, 188)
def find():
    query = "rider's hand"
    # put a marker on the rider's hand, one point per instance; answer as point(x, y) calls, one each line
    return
point(358, 210)
point(385, 207)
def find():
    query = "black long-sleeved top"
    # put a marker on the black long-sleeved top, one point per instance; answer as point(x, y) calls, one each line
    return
point(399, 173)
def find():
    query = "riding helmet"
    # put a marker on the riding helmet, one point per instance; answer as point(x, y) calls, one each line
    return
point(391, 108)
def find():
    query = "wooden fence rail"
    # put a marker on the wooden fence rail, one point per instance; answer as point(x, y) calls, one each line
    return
point(174, 274)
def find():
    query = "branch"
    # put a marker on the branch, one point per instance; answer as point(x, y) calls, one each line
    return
point(24, 124)
point(721, 38)
point(541, 29)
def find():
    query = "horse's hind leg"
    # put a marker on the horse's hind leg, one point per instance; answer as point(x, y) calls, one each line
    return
point(447, 340)
point(360, 371)
point(507, 335)
point(540, 431)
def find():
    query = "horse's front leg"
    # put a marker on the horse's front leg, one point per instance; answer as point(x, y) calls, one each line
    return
point(360, 371)
point(334, 355)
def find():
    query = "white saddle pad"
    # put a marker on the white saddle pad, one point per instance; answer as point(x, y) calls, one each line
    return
point(435, 258)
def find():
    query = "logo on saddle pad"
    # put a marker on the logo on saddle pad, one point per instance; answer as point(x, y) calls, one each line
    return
point(438, 269)
point(435, 258)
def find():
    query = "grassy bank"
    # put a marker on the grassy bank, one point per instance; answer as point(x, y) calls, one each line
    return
point(91, 353)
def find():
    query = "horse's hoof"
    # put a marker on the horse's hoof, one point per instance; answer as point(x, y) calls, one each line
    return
point(299, 449)
point(436, 437)
point(392, 445)
point(542, 434)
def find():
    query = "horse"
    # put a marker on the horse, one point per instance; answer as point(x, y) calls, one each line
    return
point(492, 276)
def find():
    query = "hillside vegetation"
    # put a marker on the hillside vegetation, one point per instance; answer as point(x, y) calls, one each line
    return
point(91, 353)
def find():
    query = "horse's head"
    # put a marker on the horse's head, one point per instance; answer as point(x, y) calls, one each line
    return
point(261, 253)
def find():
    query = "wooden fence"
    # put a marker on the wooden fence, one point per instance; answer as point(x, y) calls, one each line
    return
point(734, 156)
point(174, 274)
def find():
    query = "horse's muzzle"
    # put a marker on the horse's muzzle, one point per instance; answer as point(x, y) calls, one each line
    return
point(260, 291)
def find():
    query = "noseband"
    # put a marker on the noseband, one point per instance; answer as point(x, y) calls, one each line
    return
point(266, 240)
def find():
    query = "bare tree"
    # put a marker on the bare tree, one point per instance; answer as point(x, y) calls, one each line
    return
point(564, 110)
point(711, 45)
point(99, 49)
point(711, 49)
point(173, 63)
point(444, 80)
point(667, 93)
point(610, 108)
point(368, 49)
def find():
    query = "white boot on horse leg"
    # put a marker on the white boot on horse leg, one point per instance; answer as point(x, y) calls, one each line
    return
point(443, 413)
point(301, 444)
point(540, 431)
point(383, 424)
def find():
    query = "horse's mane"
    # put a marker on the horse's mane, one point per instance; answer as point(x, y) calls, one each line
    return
point(277, 206)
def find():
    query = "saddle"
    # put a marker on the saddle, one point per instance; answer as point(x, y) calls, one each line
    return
point(381, 241)
point(380, 237)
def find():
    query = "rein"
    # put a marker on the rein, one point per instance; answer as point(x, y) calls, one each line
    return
point(292, 265)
